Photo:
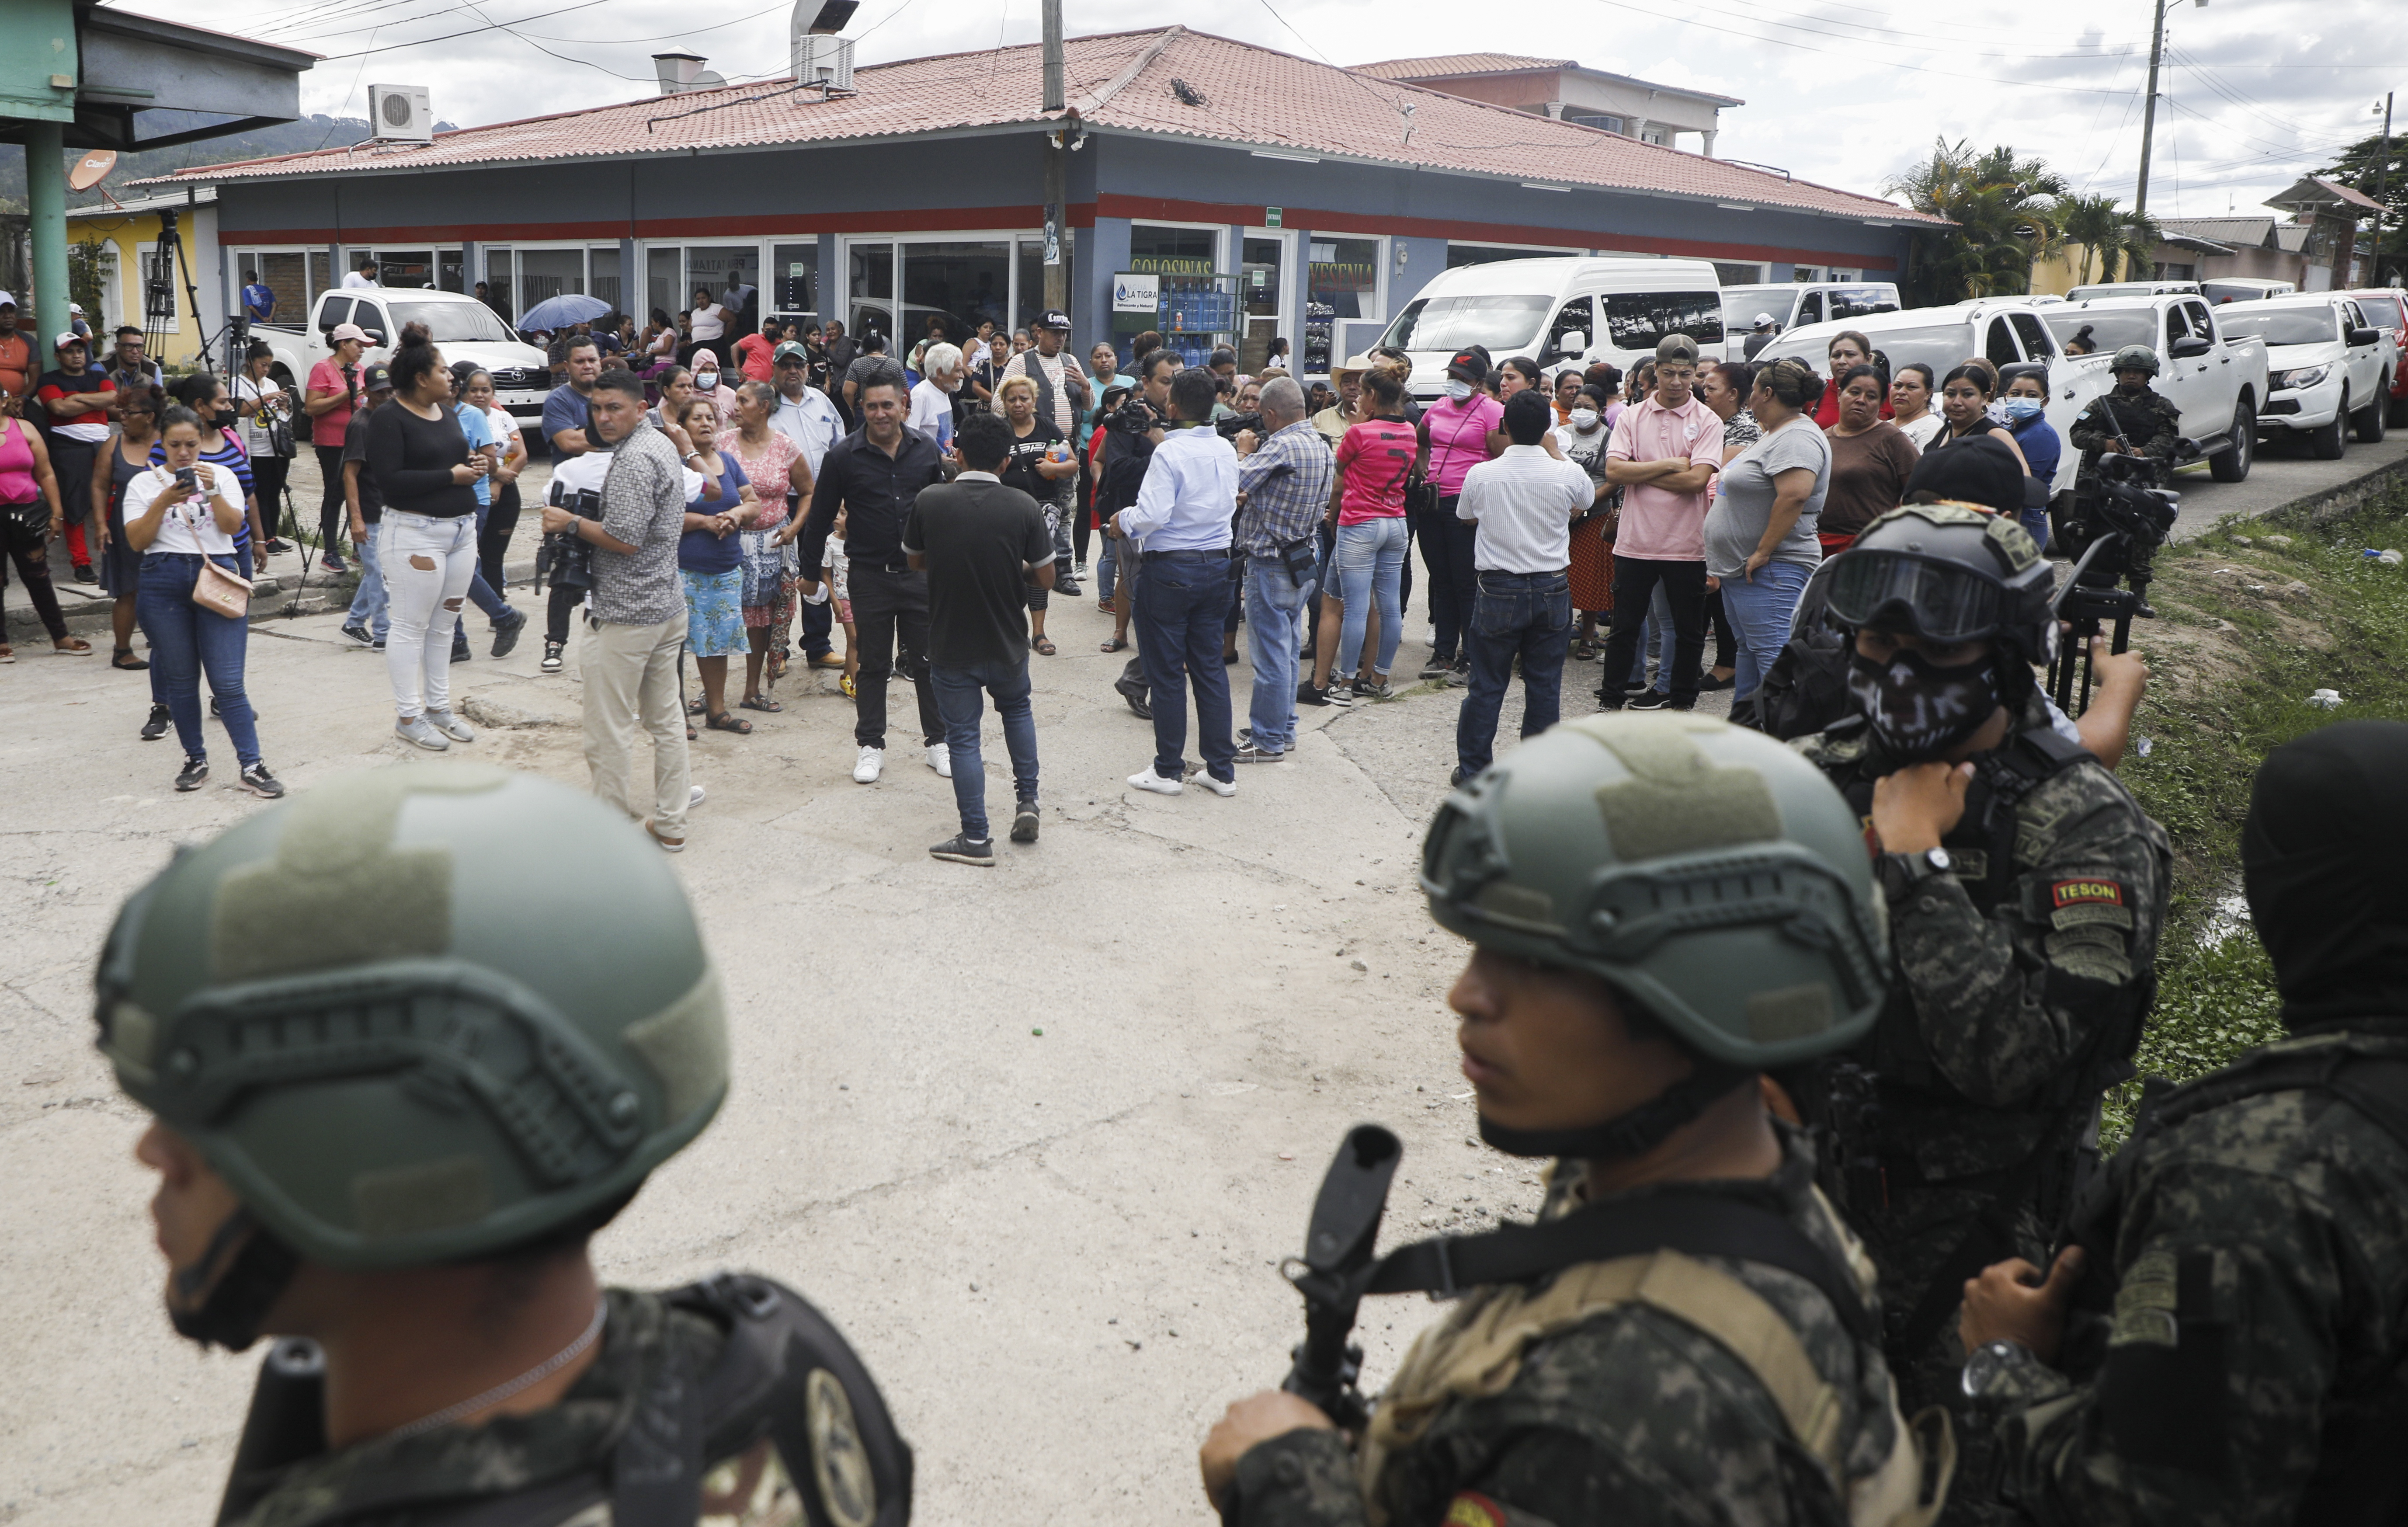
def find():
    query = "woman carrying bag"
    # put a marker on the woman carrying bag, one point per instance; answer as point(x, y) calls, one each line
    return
point(193, 607)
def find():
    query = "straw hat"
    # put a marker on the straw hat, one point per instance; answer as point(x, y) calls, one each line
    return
point(1354, 368)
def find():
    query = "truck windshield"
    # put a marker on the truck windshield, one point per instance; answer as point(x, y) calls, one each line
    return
point(1741, 304)
point(2110, 329)
point(1505, 324)
point(450, 323)
point(1942, 347)
point(2281, 325)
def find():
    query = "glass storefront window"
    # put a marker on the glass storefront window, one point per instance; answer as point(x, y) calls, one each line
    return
point(661, 279)
point(405, 268)
point(548, 273)
point(793, 283)
point(715, 268)
point(604, 283)
point(869, 289)
point(320, 276)
point(952, 285)
point(1341, 281)
point(1260, 278)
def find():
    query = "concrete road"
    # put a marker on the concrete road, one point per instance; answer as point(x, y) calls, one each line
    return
point(2284, 473)
point(1057, 1250)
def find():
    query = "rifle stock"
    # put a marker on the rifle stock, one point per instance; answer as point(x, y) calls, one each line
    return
point(1331, 1273)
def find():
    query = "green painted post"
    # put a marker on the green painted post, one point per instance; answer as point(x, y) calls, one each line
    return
point(46, 195)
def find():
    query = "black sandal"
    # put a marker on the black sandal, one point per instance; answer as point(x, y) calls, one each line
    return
point(697, 707)
point(1041, 645)
point(759, 702)
point(1118, 643)
point(724, 722)
point(123, 659)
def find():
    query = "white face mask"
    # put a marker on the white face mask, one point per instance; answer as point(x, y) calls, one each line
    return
point(1583, 420)
point(1457, 389)
point(706, 381)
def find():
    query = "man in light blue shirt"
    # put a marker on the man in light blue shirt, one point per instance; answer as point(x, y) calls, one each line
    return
point(1180, 529)
point(508, 622)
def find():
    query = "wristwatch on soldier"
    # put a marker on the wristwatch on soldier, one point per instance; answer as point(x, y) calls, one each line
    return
point(1900, 874)
point(1992, 1370)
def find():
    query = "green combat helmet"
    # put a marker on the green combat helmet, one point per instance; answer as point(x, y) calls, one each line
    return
point(1710, 875)
point(2134, 358)
point(418, 1014)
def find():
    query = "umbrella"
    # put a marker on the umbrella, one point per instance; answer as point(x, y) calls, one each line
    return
point(560, 311)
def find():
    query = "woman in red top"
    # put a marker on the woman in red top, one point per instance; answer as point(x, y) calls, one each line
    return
point(1375, 460)
point(333, 392)
point(1848, 349)
point(753, 357)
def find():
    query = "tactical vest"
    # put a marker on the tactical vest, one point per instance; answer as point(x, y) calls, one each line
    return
point(1477, 1350)
point(2361, 1474)
point(786, 1425)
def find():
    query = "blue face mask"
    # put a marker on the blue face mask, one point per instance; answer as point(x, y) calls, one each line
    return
point(2021, 408)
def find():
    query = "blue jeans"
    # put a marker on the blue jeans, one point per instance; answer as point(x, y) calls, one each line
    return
point(2035, 522)
point(1370, 563)
point(1275, 623)
point(1527, 614)
point(1179, 617)
point(371, 609)
point(1107, 569)
point(187, 641)
point(1656, 634)
point(1759, 615)
point(480, 593)
point(957, 702)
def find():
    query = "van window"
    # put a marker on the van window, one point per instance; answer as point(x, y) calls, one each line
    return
point(1741, 304)
point(2202, 323)
point(333, 309)
point(1574, 317)
point(2000, 345)
point(2034, 334)
point(1638, 320)
point(1857, 301)
point(1811, 310)
point(371, 317)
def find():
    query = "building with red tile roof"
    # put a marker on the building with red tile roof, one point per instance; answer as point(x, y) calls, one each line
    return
point(1274, 196)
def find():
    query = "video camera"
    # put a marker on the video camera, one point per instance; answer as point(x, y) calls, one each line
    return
point(1237, 424)
point(1135, 417)
point(565, 559)
point(2113, 533)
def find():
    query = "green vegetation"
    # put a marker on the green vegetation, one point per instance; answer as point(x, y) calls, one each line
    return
point(2232, 672)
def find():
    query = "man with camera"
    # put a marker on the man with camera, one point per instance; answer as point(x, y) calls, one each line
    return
point(637, 624)
point(1132, 433)
point(1284, 484)
point(1180, 528)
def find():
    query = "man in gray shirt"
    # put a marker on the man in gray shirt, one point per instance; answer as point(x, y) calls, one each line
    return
point(640, 619)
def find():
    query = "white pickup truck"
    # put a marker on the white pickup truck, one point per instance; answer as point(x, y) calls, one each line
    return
point(2215, 372)
point(461, 327)
point(2332, 369)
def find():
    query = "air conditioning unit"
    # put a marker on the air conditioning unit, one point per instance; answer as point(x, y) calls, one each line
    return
point(400, 112)
point(823, 61)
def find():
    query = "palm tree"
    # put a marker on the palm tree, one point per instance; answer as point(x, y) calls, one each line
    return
point(2004, 214)
point(2119, 240)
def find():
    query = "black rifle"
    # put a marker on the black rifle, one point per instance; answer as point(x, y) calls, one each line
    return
point(1331, 1273)
point(2115, 532)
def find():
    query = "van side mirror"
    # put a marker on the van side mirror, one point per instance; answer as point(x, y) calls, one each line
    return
point(1572, 343)
point(2189, 347)
point(2364, 337)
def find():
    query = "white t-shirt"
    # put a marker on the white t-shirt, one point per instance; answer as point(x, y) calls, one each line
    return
point(254, 433)
point(1922, 429)
point(189, 528)
point(352, 278)
point(709, 323)
point(932, 413)
point(505, 431)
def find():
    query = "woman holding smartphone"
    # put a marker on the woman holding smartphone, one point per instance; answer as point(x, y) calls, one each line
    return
point(182, 515)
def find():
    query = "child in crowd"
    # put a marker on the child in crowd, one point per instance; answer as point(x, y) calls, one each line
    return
point(838, 588)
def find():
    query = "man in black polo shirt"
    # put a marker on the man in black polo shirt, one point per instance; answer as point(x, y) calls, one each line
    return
point(874, 474)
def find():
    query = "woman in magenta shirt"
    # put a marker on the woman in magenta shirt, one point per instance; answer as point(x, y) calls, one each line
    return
point(1456, 433)
point(333, 392)
point(1374, 461)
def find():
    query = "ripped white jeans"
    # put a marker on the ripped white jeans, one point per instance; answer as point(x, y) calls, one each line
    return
point(427, 563)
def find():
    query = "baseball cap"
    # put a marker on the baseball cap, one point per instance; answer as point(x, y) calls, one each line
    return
point(1676, 347)
point(1980, 471)
point(1764, 321)
point(347, 331)
point(1052, 319)
point(75, 308)
point(375, 377)
point(7, 299)
point(69, 337)
point(1470, 364)
point(790, 351)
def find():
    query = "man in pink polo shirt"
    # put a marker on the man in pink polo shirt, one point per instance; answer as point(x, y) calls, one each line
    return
point(1664, 454)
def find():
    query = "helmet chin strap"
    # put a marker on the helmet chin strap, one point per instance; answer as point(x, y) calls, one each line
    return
point(1634, 1133)
point(223, 1298)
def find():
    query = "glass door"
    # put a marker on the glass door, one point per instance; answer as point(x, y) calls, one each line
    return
point(870, 288)
point(548, 273)
point(949, 287)
point(604, 283)
point(501, 282)
point(1341, 282)
point(1262, 290)
point(794, 280)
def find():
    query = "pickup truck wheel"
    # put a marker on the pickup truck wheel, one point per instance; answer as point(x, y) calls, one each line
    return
point(2231, 464)
point(2328, 443)
point(2371, 418)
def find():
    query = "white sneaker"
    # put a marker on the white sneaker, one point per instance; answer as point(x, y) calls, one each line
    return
point(450, 725)
point(1146, 778)
point(1223, 788)
point(866, 768)
point(417, 729)
point(940, 758)
point(692, 796)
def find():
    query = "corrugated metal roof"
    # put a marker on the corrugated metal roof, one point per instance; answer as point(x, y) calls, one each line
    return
point(1249, 98)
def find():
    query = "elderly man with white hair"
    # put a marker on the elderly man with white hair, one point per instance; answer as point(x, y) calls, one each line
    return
point(1284, 483)
point(932, 397)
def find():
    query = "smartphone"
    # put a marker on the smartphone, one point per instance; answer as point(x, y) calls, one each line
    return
point(187, 478)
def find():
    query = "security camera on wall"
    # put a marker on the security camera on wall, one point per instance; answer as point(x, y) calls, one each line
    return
point(400, 113)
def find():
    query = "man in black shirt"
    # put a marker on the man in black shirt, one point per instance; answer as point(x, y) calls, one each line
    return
point(982, 545)
point(874, 474)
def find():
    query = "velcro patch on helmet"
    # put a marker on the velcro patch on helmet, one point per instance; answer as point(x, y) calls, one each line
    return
point(1789, 1013)
point(685, 1045)
point(1677, 800)
point(2013, 543)
point(431, 1196)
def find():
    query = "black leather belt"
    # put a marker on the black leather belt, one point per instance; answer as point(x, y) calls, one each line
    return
point(1218, 553)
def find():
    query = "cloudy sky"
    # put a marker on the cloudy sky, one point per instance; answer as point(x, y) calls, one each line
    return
point(2253, 93)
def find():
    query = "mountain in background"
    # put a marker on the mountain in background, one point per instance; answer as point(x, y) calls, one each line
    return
point(315, 132)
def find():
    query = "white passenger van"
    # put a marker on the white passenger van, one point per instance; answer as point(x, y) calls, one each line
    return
point(1562, 312)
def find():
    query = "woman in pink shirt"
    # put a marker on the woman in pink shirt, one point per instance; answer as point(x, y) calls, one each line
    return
point(1457, 432)
point(334, 390)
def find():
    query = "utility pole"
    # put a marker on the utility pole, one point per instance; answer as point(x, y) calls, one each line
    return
point(2149, 108)
point(1057, 167)
point(2382, 172)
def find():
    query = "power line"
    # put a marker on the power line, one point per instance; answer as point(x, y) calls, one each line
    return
point(489, 27)
point(1921, 47)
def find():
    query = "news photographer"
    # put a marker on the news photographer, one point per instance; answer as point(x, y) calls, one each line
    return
point(1132, 433)
point(638, 620)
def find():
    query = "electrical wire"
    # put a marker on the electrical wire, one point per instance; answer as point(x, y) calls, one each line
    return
point(1746, 15)
point(490, 26)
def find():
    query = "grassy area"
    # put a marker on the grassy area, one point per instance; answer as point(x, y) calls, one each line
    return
point(2249, 629)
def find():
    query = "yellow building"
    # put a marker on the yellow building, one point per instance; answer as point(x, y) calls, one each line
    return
point(127, 232)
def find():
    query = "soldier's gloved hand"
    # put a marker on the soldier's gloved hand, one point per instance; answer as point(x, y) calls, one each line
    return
point(2010, 1302)
point(1258, 1418)
point(1917, 806)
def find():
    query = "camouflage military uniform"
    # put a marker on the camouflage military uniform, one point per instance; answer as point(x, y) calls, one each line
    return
point(2149, 425)
point(2024, 975)
point(2260, 1262)
point(1631, 1416)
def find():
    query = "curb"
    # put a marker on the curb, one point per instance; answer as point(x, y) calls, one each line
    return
point(2334, 502)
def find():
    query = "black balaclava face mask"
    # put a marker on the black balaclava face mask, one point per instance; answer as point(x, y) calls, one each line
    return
point(1918, 709)
point(2320, 856)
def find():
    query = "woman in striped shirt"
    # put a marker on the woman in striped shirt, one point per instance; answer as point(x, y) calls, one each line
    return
point(221, 446)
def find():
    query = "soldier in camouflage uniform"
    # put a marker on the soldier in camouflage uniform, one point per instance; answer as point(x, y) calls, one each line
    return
point(2238, 1356)
point(410, 1040)
point(1660, 907)
point(2135, 419)
point(2025, 891)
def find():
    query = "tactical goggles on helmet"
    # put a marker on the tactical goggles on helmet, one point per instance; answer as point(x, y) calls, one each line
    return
point(1941, 601)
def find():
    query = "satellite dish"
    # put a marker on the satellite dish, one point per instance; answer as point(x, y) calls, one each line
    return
point(91, 169)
